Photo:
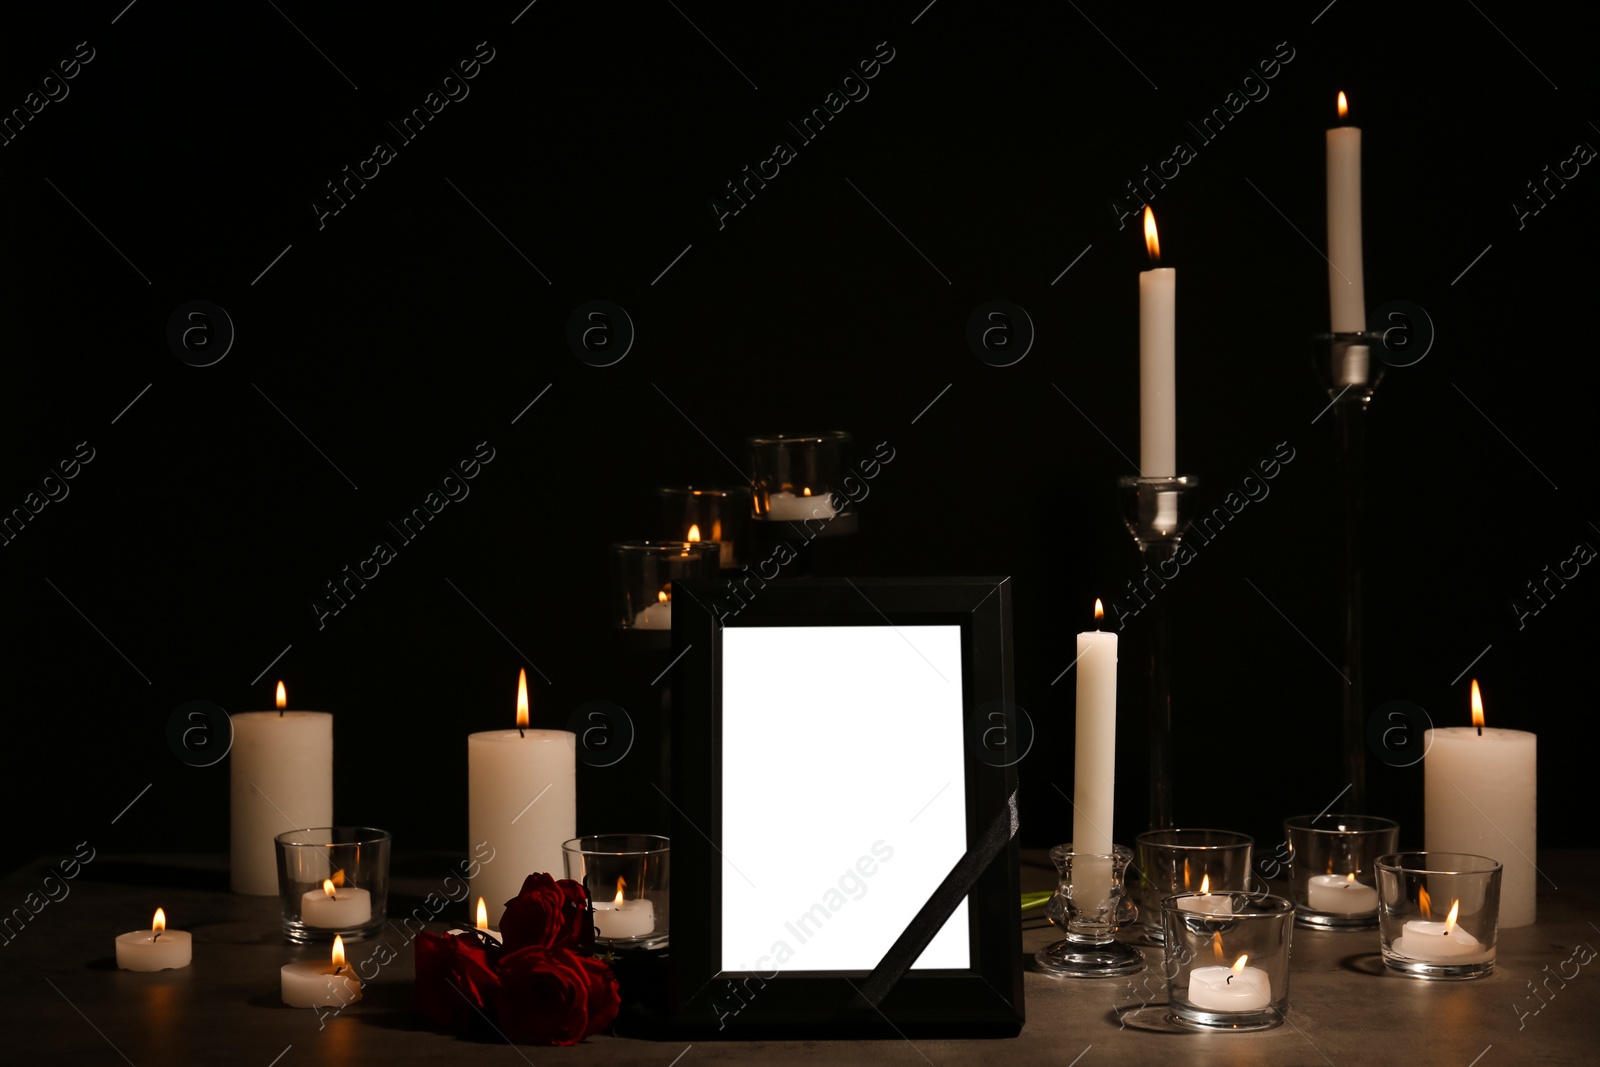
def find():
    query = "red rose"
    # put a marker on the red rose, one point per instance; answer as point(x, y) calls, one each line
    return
point(548, 914)
point(554, 996)
point(456, 985)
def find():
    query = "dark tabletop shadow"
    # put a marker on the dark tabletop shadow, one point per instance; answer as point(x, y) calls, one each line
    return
point(1367, 963)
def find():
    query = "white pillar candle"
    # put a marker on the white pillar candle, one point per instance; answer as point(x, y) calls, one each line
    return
point(522, 799)
point(282, 779)
point(1340, 894)
point(1158, 397)
point(320, 983)
point(1479, 795)
point(657, 616)
point(1236, 988)
point(1346, 287)
point(789, 507)
point(335, 907)
point(1094, 764)
point(155, 949)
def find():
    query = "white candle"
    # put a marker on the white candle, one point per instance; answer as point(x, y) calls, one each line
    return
point(657, 616)
point(1158, 402)
point(483, 924)
point(335, 907)
point(1479, 797)
point(1236, 988)
point(1346, 288)
point(282, 779)
point(1340, 894)
point(155, 949)
point(624, 918)
point(1207, 903)
point(787, 507)
point(522, 799)
point(1438, 942)
point(1094, 764)
point(320, 983)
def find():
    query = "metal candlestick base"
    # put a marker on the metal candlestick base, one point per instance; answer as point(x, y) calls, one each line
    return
point(1157, 511)
point(1350, 367)
point(1090, 904)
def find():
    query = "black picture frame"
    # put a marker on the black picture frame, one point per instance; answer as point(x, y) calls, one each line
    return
point(983, 1000)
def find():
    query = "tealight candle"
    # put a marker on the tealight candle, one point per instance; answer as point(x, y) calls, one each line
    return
point(1437, 942)
point(316, 984)
point(787, 507)
point(335, 907)
point(657, 616)
point(155, 949)
point(483, 924)
point(1207, 903)
point(1339, 894)
point(624, 918)
point(1236, 988)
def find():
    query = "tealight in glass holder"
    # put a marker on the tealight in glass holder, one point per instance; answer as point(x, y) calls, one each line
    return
point(642, 573)
point(1091, 906)
point(1438, 913)
point(627, 879)
point(1227, 960)
point(1187, 861)
point(720, 515)
point(803, 479)
point(1333, 868)
point(333, 880)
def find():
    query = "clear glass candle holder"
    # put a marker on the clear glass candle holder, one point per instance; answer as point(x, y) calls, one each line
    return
point(1333, 868)
point(1227, 959)
point(720, 515)
point(1091, 905)
point(333, 880)
point(627, 879)
point(642, 573)
point(1438, 913)
point(806, 478)
point(1184, 861)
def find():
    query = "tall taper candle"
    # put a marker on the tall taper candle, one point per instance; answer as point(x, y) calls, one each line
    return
point(281, 769)
point(1347, 294)
point(1094, 762)
point(1158, 401)
point(522, 799)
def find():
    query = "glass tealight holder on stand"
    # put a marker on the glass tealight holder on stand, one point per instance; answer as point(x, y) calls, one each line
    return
point(1350, 366)
point(642, 577)
point(1091, 905)
point(1157, 511)
point(720, 515)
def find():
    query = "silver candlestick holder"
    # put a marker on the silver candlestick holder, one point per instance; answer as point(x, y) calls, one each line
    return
point(1157, 511)
point(1350, 367)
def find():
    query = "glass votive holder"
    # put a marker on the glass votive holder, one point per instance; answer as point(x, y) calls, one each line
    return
point(1332, 868)
point(1438, 913)
point(1185, 861)
point(806, 479)
point(1227, 959)
point(333, 880)
point(720, 515)
point(1090, 905)
point(627, 879)
point(642, 573)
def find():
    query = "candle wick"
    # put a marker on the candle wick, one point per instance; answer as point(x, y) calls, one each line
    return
point(523, 733)
point(155, 936)
point(1480, 730)
point(1230, 979)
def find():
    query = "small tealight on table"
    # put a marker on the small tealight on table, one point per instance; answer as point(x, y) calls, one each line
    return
point(316, 984)
point(155, 949)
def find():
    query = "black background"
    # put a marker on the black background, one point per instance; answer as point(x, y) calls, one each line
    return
point(405, 329)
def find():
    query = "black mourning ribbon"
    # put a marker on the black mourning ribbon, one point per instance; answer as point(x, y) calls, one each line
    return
point(940, 906)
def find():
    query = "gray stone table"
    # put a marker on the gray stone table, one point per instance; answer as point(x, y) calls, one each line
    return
point(65, 1002)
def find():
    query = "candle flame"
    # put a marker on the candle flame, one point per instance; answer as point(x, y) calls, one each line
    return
point(1205, 884)
point(662, 597)
point(338, 953)
point(1477, 706)
point(1425, 902)
point(327, 887)
point(1152, 243)
point(1350, 879)
point(1187, 881)
point(1450, 920)
point(522, 698)
point(1099, 610)
point(283, 697)
point(806, 491)
point(694, 532)
point(1344, 106)
point(716, 529)
point(1238, 964)
point(338, 876)
point(483, 915)
point(1216, 945)
point(621, 885)
point(159, 923)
